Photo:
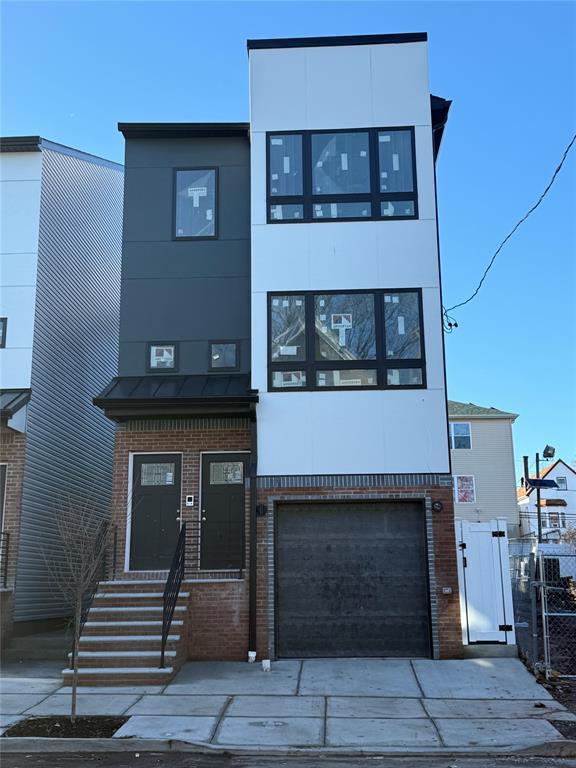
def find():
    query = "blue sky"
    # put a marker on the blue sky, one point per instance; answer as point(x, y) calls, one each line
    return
point(70, 71)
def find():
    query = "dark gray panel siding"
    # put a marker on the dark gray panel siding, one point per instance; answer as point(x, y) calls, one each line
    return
point(186, 291)
point(70, 442)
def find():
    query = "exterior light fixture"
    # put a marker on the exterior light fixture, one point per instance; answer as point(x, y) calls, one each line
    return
point(548, 452)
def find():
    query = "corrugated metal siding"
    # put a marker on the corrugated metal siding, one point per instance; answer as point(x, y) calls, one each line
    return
point(70, 442)
point(491, 461)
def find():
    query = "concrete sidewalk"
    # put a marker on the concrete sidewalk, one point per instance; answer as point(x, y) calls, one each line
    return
point(337, 704)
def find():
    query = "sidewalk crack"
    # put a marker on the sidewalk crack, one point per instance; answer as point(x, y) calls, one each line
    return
point(221, 717)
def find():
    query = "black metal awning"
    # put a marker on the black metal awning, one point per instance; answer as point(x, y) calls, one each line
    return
point(199, 395)
point(11, 400)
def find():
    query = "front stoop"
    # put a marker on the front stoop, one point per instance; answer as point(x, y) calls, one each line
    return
point(121, 639)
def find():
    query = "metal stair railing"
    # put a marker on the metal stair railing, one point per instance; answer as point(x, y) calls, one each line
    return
point(172, 589)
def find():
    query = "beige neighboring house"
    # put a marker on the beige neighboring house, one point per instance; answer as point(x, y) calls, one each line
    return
point(482, 454)
point(558, 505)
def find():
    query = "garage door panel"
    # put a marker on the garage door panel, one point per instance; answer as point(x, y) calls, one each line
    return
point(352, 580)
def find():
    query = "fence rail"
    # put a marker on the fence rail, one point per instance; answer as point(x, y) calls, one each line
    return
point(544, 594)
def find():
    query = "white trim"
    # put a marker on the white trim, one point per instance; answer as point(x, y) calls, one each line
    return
point(450, 425)
point(201, 463)
point(456, 489)
point(131, 455)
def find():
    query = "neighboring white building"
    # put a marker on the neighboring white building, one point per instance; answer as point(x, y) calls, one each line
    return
point(482, 454)
point(558, 505)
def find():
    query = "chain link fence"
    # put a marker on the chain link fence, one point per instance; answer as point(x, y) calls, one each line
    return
point(544, 594)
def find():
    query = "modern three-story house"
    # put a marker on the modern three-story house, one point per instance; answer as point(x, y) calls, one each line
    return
point(281, 386)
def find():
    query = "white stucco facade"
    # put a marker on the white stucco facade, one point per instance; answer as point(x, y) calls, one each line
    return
point(316, 432)
point(20, 181)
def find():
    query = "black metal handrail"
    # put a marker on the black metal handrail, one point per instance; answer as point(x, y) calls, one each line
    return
point(4, 549)
point(172, 589)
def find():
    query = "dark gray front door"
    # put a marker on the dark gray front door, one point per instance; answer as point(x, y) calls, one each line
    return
point(155, 524)
point(223, 511)
point(352, 580)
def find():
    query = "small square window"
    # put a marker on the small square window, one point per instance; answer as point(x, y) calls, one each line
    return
point(195, 214)
point(562, 483)
point(224, 354)
point(162, 357)
point(3, 325)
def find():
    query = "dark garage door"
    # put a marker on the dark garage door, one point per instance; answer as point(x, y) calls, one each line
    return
point(352, 580)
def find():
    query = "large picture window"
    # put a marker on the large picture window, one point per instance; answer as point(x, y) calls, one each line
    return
point(345, 174)
point(337, 340)
point(195, 208)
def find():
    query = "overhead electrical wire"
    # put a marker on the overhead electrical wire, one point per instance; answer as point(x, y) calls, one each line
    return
point(448, 321)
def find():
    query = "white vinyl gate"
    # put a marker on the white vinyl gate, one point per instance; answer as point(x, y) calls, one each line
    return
point(484, 578)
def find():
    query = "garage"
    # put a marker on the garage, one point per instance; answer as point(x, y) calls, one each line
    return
point(352, 580)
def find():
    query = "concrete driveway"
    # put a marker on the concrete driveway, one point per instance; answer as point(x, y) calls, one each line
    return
point(372, 705)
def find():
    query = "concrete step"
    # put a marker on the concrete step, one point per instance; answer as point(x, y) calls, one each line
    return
point(118, 628)
point(121, 675)
point(100, 659)
point(127, 638)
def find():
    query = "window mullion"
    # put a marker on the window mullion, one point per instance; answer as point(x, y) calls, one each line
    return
point(307, 174)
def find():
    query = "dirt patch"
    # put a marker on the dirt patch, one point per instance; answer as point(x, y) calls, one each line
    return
point(63, 727)
point(568, 730)
point(563, 690)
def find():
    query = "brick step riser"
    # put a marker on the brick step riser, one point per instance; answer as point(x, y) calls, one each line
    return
point(113, 680)
point(152, 659)
point(123, 602)
point(153, 586)
point(119, 647)
point(135, 615)
point(116, 631)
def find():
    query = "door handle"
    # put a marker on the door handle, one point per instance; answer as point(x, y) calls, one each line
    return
point(179, 518)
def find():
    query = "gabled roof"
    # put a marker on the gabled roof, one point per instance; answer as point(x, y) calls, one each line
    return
point(173, 395)
point(11, 400)
point(521, 492)
point(477, 411)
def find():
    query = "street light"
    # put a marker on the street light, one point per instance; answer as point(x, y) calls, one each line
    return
point(548, 453)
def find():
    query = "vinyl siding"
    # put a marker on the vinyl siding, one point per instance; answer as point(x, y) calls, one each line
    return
point(491, 461)
point(75, 348)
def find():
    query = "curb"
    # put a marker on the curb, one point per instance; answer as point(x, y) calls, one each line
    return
point(23, 744)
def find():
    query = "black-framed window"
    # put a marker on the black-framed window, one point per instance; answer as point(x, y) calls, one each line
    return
point(345, 175)
point(346, 340)
point(195, 203)
point(224, 355)
point(3, 327)
point(162, 356)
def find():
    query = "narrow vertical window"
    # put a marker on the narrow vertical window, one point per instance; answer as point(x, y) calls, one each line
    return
point(288, 329)
point(3, 326)
point(464, 491)
point(195, 214)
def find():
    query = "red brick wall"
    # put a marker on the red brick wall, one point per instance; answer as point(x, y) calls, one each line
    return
point(12, 453)
point(217, 625)
point(449, 628)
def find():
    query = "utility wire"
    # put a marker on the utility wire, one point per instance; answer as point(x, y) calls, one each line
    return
point(449, 322)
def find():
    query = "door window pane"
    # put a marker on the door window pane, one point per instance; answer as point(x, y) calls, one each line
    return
point(226, 472)
point(286, 165)
point(397, 208)
point(402, 323)
point(395, 155)
point(404, 377)
point(157, 474)
point(344, 326)
point(348, 378)
point(162, 356)
point(340, 163)
point(288, 379)
point(287, 212)
point(341, 210)
point(196, 203)
point(224, 355)
point(288, 328)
